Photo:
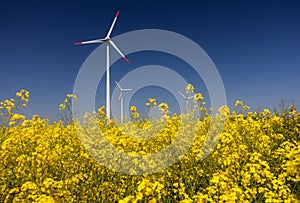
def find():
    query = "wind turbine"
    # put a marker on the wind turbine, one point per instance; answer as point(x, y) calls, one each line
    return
point(108, 42)
point(186, 100)
point(121, 99)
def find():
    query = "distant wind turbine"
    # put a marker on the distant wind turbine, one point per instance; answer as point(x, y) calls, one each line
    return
point(121, 99)
point(108, 42)
point(186, 100)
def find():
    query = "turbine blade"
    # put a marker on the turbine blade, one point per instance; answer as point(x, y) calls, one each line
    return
point(118, 85)
point(182, 94)
point(118, 50)
point(190, 97)
point(127, 89)
point(89, 42)
point(121, 94)
point(112, 25)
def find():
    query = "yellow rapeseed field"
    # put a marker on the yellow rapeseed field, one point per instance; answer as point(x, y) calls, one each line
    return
point(256, 159)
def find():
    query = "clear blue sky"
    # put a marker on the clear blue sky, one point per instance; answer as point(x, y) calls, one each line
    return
point(254, 44)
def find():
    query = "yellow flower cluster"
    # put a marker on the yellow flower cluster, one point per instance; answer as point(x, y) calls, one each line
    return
point(163, 107)
point(134, 112)
point(7, 104)
point(189, 89)
point(257, 158)
point(9, 108)
point(23, 95)
point(65, 108)
point(67, 102)
point(151, 102)
point(198, 97)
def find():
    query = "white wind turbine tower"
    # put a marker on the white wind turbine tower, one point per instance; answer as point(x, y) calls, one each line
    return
point(108, 42)
point(186, 100)
point(121, 99)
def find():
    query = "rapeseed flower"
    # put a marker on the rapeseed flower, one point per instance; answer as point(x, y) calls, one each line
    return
point(256, 158)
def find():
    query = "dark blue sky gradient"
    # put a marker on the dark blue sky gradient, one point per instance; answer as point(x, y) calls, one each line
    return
point(254, 44)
